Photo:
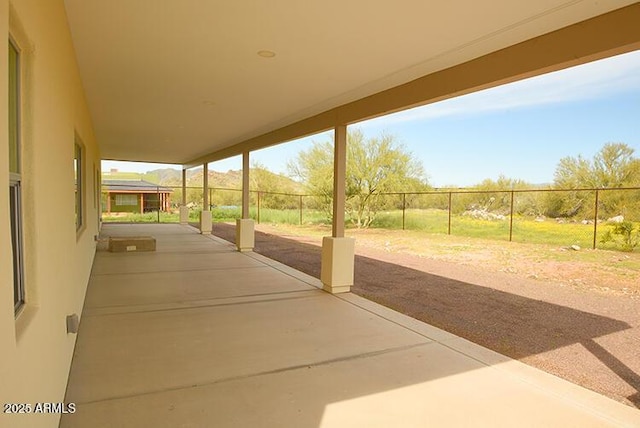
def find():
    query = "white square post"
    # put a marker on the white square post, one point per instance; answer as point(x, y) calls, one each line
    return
point(205, 215)
point(184, 210)
point(338, 252)
point(245, 235)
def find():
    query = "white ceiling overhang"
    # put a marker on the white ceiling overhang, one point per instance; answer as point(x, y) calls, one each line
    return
point(179, 82)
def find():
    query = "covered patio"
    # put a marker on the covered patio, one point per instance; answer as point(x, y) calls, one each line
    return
point(199, 334)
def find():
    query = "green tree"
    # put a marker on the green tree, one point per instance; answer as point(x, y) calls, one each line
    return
point(496, 196)
point(614, 166)
point(276, 191)
point(314, 169)
point(374, 166)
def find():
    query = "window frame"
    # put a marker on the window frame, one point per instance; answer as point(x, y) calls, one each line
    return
point(125, 199)
point(17, 244)
point(79, 179)
point(14, 132)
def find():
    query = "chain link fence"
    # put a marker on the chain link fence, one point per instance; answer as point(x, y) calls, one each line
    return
point(588, 218)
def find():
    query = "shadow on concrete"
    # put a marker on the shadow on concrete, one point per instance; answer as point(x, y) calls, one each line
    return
point(507, 323)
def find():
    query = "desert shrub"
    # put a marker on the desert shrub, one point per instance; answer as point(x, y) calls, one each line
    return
point(626, 234)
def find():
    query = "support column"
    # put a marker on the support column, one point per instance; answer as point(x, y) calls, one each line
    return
point(184, 210)
point(205, 215)
point(245, 237)
point(338, 251)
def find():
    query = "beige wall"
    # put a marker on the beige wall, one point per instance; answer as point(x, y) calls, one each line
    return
point(36, 350)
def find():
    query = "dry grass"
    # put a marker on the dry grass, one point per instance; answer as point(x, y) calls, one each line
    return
point(599, 271)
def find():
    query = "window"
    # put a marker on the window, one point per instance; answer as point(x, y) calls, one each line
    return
point(79, 179)
point(15, 177)
point(96, 187)
point(126, 200)
point(16, 241)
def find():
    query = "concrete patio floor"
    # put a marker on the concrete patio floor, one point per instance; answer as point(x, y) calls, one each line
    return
point(196, 334)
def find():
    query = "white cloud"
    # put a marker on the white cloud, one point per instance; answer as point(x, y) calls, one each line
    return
point(594, 80)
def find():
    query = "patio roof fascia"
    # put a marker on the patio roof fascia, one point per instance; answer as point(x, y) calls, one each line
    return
point(606, 35)
point(135, 186)
point(146, 192)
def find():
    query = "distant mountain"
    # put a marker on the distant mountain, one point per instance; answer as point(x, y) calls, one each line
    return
point(261, 179)
point(166, 175)
point(228, 180)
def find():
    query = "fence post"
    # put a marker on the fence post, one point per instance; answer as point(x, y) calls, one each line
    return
point(259, 206)
point(511, 219)
point(595, 221)
point(404, 206)
point(158, 193)
point(449, 230)
point(300, 205)
point(210, 200)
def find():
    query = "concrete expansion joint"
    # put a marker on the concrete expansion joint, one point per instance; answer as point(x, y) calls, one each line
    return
point(191, 304)
point(305, 366)
point(207, 269)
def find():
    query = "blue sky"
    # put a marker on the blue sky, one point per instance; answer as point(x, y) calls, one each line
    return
point(520, 130)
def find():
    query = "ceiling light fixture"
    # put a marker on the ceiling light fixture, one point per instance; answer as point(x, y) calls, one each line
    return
point(266, 54)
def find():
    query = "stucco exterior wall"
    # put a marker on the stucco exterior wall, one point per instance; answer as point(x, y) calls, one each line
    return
point(36, 350)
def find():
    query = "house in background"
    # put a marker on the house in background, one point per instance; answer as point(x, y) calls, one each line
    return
point(134, 196)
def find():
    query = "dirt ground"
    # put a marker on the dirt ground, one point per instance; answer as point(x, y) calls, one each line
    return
point(573, 314)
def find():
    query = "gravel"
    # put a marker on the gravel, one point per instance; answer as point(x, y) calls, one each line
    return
point(587, 337)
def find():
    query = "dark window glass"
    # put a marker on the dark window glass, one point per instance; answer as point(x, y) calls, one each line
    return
point(15, 190)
